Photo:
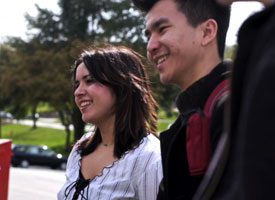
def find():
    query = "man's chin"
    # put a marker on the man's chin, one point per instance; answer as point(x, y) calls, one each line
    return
point(164, 80)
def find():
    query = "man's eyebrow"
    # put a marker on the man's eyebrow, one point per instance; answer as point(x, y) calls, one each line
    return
point(155, 25)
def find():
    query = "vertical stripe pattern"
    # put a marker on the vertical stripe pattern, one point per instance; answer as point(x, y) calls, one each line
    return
point(135, 176)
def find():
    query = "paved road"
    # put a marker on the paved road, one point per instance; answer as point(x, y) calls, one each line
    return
point(47, 122)
point(42, 122)
point(35, 183)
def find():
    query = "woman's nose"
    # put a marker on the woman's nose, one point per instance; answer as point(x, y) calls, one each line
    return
point(80, 90)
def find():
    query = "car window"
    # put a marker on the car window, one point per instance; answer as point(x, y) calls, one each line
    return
point(20, 148)
point(47, 152)
point(33, 150)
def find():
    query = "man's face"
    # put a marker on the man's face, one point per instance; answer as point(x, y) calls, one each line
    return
point(173, 44)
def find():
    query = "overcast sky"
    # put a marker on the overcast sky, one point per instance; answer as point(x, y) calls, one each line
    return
point(12, 21)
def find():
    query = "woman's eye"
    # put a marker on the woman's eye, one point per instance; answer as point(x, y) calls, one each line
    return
point(90, 80)
point(75, 85)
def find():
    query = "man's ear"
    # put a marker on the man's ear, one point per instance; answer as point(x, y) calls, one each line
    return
point(209, 31)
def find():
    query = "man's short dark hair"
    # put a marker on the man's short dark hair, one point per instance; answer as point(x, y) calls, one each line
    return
point(196, 12)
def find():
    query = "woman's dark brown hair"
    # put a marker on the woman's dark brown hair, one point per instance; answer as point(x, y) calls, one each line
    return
point(122, 69)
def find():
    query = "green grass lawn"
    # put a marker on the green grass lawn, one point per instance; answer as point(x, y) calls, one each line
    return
point(54, 138)
point(164, 122)
point(20, 134)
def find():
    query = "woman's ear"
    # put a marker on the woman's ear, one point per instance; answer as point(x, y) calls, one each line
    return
point(209, 31)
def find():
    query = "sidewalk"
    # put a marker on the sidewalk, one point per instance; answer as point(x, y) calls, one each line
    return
point(48, 123)
point(43, 122)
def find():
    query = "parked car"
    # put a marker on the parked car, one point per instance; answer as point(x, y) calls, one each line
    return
point(25, 155)
point(6, 117)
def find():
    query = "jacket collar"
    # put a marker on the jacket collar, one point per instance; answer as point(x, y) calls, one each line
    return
point(196, 95)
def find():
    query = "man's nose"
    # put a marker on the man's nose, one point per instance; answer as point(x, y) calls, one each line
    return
point(153, 44)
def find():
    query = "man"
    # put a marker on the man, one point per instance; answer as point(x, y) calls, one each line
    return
point(249, 172)
point(186, 41)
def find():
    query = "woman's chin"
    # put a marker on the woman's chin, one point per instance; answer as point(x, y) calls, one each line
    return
point(87, 119)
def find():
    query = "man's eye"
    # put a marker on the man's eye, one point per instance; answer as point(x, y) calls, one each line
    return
point(147, 35)
point(162, 29)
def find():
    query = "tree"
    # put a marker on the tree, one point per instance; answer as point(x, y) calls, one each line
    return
point(81, 22)
point(11, 84)
point(4, 57)
point(41, 65)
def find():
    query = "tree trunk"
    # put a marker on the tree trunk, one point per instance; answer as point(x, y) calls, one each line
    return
point(34, 117)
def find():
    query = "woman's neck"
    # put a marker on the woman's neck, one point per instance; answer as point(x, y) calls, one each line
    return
point(107, 132)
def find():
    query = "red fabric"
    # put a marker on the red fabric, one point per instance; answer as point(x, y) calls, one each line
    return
point(198, 145)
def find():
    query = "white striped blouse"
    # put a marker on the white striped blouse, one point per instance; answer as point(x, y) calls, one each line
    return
point(135, 176)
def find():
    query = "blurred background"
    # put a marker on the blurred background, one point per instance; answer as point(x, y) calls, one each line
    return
point(39, 40)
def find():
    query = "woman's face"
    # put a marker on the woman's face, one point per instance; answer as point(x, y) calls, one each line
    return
point(94, 100)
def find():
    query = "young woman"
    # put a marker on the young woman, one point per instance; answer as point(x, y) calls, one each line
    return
point(121, 158)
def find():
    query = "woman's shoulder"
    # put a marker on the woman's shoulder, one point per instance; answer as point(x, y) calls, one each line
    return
point(149, 145)
point(152, 142)
point(84, 138)
point(146, 156)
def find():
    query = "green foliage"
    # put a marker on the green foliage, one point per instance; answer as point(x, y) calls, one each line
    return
point(165, 95)
point(38, 70)
point(5, 61)
point(24, 78)
point(54, 138)
point(230, 52)
point(165, 121)
point(164, 125)
point(44, 107)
